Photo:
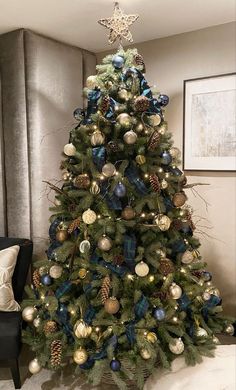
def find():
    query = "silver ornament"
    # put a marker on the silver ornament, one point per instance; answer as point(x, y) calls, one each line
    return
point(84, 246)
point(89, 216)
point(55, 271)
point(69, 150)
point(130, 137)
point(175, 291)
point(29, 313)
point(201, 332)
point(142, 269)
point(176, 346)
point(229, 329)
point(104, 243)
point(34, 366)
point(109, 170)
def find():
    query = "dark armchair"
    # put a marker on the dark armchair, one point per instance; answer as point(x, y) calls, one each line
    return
point(10, 322)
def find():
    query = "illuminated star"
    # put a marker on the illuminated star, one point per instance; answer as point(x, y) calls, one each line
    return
point(118, 25)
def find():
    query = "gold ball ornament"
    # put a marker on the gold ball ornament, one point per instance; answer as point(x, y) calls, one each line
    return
point(109, 170)
point(151, 337)
point(82, 181)
point(175, 291)
point(140, 159)
point(104, 243)
point(34, 366)
point(97, 138)
point(29, 313)
point(139, 127)
point(124, 120)
point(112, 305)
point(62, 235)
point(176, 346)
point(89, 216)
point(82, 273)
point(145, 354)
point(142, 269)
point(187, 257)
point(179, 199)
point(123, 94)
point(154, 120)
point(55, 271)
point(229, 329)
point(163, 222)
point(82, 330)
point(91, 82)
point(130, 137)
point(128, 213)
point(94, 189)
point(80, 356)
point(69, 150)
point(175, 152)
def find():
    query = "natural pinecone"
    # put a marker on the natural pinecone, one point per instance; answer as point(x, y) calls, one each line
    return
point(141, 103)
point(74, 225)
point(198, 274)
point(160, 294)
point(105, 288)
point(105, 104)
point(56, 353)
point(36, 278)
point(176, 224)
point(154, 140)
point(112, 146)
point(118, 259)
point(139, 61)
point(50, 327)
point(155, 183)
point(166, 267)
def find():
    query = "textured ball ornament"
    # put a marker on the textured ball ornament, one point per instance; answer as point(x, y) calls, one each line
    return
point(163, 222)
point(187, 257)
point(34, 366)
point(128, 213)
point(112, 305)
point(229, 329)
point(55, 271)
point(94, 189)
point(97, 138)
point(130, 137)
point(166, 158)
point(69, 150)
point(109, 170)
point(200, 332)
point(179, 199)
point(175, 291)
point(145, 354)
point(82, 181)
point(123, 94)
point(151, 337)
point(104, 243)
point(141, 103)
point(176, 346)
point(175, 152)
point(82, 330)
point(159, 314)
point(124, 120)
point(166, 266)
point(115, 365)
point(140, 159)
point(28, 313)
point(91, 82)
point(118, 61)
point(62, 235)
point(154, 120)
point(46, 280)
point(120, 190)
point(142, 269)
point(80, 356)
point(84, 246)
point(89, 216)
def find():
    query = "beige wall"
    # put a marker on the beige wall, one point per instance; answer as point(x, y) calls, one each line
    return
point(169, 61)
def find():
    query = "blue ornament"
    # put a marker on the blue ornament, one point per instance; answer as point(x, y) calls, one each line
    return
point(163, 100)
point(207, 276)
point(166, 158)
point(120, 190)
point(46, 280)
point(185, 228)
point(159, 314)
point(115, 365)
point(79, 114)
point(118, 61)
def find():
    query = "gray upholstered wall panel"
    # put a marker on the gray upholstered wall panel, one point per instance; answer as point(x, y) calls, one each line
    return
point(2, 180)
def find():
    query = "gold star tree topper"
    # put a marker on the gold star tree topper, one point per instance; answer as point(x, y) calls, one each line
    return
point(119, 24)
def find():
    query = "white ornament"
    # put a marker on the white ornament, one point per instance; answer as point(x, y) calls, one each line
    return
point(163, 222)
point(69, 150)
point(91, 82)
point(89, 217)
point(37, 322)
point(104, 243)
point(142, 269)
point(97, 138)
point(28, 313)
point(109, 170)
point(82, 330)
point(55, 271)
point(145, 354)
point(176, 346)
point(200, 332)
point(130, 137)
point(175, 291)
point(34, 366)
point(84, 246)
point(187, 257)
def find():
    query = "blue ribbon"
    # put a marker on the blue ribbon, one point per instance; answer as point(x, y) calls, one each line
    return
point(132, 175)
point(183, 302)
point(63, 319)
point(89, 314)
point(99, 156)
point(178, 246)
point(93, 97)
point(141, 307)
point(50, 251)
point(64, 288)
point(119, 270)
point(130, 333)
point(130, 250)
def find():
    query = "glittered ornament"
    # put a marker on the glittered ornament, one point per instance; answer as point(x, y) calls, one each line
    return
point(62, 235)
point(34, 366)
point(89, 216)
point(46, 280)
point(29, 313)
point(82, 181)
point(145, 354)
point(166, 158)
point(175, 291)
point(123, 94)
point(91, 82)
point(82, 273)
point(154, 120)
point(187, 257)
point(55, 271)
point(142, 269)
point(69, 149)
point(128, 213)
point(140, 159)
point(154, 141)
point(95, 189)
point(112, 305)
point(166, 266)
point(141, 103)
point(97, 138)
point(124, 120)
point(159, 314)
point(118, 61)
point(130, 137)
point(84, 246)
point(175, 153)
point(80, 356)
point(229, 329)
point(109, 170)
point(176, 346)
point(115, 365)
point(104, 243)
point(82, 330)
point(120, 190)
point(201, 332)
point(151, 337)
point(163, 222)
point(179, 199)
point(50, 327)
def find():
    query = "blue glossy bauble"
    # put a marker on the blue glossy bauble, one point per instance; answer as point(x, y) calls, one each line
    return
point(166, 158)
point(163, 100)
point(115, 365)
point(120, 190)
point(118, 61)
point(46, 280)
point(78, 113)
point(207, 276)
point(159, 314)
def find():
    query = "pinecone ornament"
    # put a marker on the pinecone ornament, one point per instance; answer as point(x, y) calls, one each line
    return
point(112, 147)
point(166, 267)
point(106, 284)
point(118, 259)
point(105, 104)
point(50, 327)
point(56, 353)
point(162, 295)
point(141, 103)
point(154, 141)
point(154, 181)
point(36, 278)
point(74, 225)
point(139, 61)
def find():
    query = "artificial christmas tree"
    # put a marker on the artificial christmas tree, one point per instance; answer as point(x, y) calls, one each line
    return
point(124, 287)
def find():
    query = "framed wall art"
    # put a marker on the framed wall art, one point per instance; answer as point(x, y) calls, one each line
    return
point(209, 139)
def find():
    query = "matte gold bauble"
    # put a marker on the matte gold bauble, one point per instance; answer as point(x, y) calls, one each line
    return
point(34, 366)
point(155, 120)
point(82, 330)
point(82, 181)
point(29, 313)
point(123, 94)
point(163, 222)
point(82, 273)
point(128, 213)
point(112, 305)
point(94, 189)
point(104, 243)
point(69, 150)
point(109, 170)
point(151, 337)
point(175, 291)
point(139, 127)
point(62, 235)
point(142, 269)
point(130, 137)
point(91, 82)
point(145, 354)
point(55, 271)
point(179, 199)
point(175, 152)
point(187, 257)
point(124, 120)
point(166, 266)
point(140, 159)
point(176, 346)
point(89, 216)
point(80, 356)
point(97, 138)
